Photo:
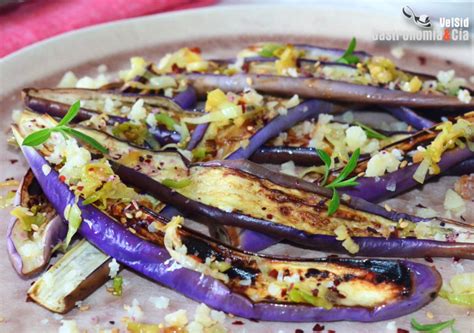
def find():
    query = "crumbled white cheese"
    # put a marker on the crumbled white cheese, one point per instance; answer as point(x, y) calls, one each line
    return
point(218, 316)
point(252, 97)
point(295, 278)
point(292, 102)
point(288, 168)
point(113, 268)
point(325, 118)
point(398, 52)
point(31, 249)
point(138, 112)
point(348, 117)
point(391, 326)
point(464, 96)
point(160, 302)
point(292, 72)
point(280, 139)
point(178, 318)
point(274, 289)
point(195, 327)
point(382, 162)
point(151, 120)
point(307, 127)
point(46, 169)
point(134, 311)
point(68, 326)
point(445, 77)
point(102, 68)
point(69, 80)
point(426, 212)
point(109, 105)
point(16, 115)
point(454, 203)
point(282, 111)
point(76, 158)
point(202, 315)
point(373, 145)
point(355, 137)
point(90, 83)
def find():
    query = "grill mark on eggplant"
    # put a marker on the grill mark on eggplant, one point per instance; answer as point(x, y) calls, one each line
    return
point(246, 268)
point(312, 201)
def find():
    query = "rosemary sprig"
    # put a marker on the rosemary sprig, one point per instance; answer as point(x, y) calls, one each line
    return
point(340, 180)
point(39, 137)
point(348, 57)
point(370, 132)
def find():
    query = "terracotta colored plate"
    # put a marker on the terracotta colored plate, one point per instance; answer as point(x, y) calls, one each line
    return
point(218, 31)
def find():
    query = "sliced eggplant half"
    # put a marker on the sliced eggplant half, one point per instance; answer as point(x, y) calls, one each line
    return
point(244, 284)
point(34, 230)
point(72, 278)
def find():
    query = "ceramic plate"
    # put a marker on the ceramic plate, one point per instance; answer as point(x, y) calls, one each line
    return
point(219, 31)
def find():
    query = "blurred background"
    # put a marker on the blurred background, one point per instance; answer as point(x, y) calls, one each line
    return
point(24, 22)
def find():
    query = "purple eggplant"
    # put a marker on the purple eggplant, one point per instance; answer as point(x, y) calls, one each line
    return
point(339, 91)
point(259, 199)
point(304, 156)
point(399, 181)
point(306, 110)
point(312, 52)
point(302, 219)
point(464, 168)
point(29, 249)
point(410, 117)
point(376, 189)
point(297, 148)
point(401, 286)
point(56, 102)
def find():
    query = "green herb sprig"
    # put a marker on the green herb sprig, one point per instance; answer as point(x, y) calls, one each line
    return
point(348, 57)
point(40, 136)
point(370, 132)
point(340, 180)
point(433, 328)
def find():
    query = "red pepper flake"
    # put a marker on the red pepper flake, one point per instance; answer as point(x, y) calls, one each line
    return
point(195, 49)
point(422, 60)
point(237, 322)
point(269, 216)
point(318, 328)
point(370, 276)
point(299, 330)
point(456, 259)
point(273, 273)
point(62, 178)
point(331, 331)
point(13, 161)
point(429, 259)
point(175, 69)
point(80, 188)
point(401, 330)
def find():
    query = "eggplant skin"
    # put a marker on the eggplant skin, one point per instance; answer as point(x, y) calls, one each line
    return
point(154, 262)
point(52, 232)
point(342, 92)
point(391, 247)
